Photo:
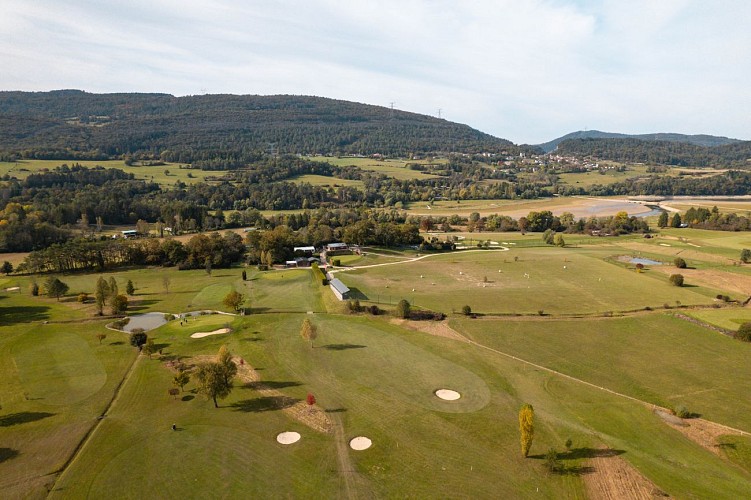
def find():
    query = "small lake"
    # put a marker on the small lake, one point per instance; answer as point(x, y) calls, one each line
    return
point(646, 262)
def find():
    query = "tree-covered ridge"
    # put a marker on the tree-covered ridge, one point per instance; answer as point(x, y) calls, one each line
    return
point(659, 152)
point(700, 139)
point(77, 125)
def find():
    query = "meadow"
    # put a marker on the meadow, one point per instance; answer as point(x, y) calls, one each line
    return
point(394, 168)
point(84, 418)
point(164, 175)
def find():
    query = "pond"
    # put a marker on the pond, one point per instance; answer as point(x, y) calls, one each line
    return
point(147, 321)
point(646, 262)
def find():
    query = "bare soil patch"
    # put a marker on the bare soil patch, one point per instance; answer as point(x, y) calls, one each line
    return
point(702, 432)
point(614, 479)
point(712, 278)
point(437, 328)
point(312, 416)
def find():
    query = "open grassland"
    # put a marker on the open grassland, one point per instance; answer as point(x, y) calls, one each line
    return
point(390, 168)
point(521, 281)
point(22, 168)
point(729, 319)
point(604, 177)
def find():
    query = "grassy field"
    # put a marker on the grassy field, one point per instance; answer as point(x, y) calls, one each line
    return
point(376, 378)
point(522, 281)
point(22, 168)
point(391, 168)
point(323, 181)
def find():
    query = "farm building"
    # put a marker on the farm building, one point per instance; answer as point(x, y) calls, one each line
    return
point(340, 289)
point(302, 262)
point(130, 233)
point(309, 250)
point(336, 247)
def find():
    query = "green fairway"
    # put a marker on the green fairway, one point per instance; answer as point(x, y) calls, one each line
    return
point(650, 357)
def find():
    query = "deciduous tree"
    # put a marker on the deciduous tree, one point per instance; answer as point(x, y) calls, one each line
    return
point(138, 338)
point(101, 294)
point(402, 309)
point(308, 331)
point(526, 427)
point(181, 379)
point(234, 300)
point(215, 379)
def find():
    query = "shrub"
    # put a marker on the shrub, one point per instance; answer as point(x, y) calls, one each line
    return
point(676, 279)
point(679, 263)
point(682, 412)
point(83, 297)
point(402, 309)
point(336, 262)
point(746, 256)
point(35, 289)
point(466, 310)
point(744, 332)
point(374, 310)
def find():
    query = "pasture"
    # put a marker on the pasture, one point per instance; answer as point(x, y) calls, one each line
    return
point(396, 169)
point(164, 175)
point(521, 281)
point(329, 182)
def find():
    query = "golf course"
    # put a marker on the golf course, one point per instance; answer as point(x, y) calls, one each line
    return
point(610, 354)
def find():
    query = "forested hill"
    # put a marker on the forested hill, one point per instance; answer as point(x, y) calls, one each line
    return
point(74, 124)
point(737, 154)
point(699, 140)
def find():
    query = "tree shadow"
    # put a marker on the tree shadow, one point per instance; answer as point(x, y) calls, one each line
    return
point(270, 385)
point(23, 418)
point(7, 454)
point(259, 310)
point(141, 305)
point(252, 339)
point(23, 314)
point(266, 403)
point(342, 347)
point(159, 347)
point(335, 410)
point(188, 397)
point(118, 342)
point(578, 453)
point(574, 470)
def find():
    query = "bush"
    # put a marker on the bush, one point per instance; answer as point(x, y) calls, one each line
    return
point(83, 297)
point(676, 279)
point(746, 256)
point(138, 338)
point(35, 289)
point(679, 263)
point(466, 310)
point(374, 310)
point(682, 412)
point(336, 262)
point(402, 309)
point(744, 332)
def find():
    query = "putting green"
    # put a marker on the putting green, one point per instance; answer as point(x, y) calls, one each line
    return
point(58, 368)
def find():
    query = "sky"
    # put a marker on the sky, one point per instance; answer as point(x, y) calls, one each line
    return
point(524, 70)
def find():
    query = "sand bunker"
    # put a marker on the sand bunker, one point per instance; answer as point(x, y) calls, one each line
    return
point(360, 443)
point(288, 437)
point(200, 335)
point(13, 289)
point(447, 394)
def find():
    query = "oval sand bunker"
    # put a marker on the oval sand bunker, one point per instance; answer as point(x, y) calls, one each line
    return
point(288, 437)
point(360, 443)
point(200, 335)
point(447, 394)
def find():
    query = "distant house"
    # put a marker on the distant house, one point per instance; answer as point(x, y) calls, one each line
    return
point(340, 289)
point(332, 248)
point(129, 233)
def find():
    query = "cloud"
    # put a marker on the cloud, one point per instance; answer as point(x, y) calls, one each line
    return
point(523, 70)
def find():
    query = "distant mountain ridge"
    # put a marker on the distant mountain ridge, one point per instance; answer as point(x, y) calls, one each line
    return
point(219, 128)
point(698, 140)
